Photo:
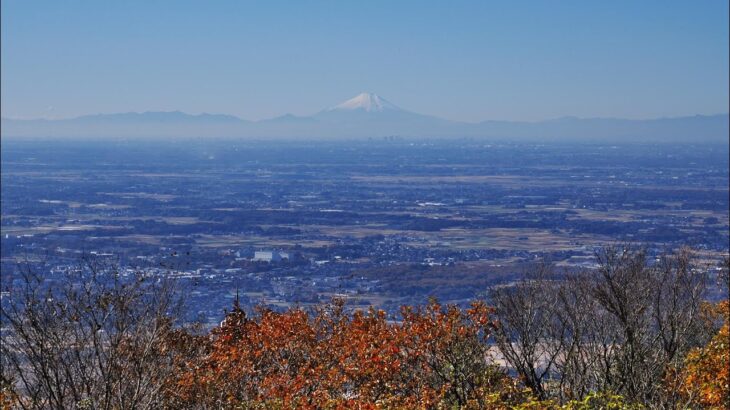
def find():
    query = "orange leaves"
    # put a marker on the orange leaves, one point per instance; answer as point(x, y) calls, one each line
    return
point(330, 359)
point(707, 370)
point(8, 397)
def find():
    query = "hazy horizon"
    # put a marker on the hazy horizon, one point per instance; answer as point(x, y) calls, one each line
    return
point(468, 61)
point(322, 109)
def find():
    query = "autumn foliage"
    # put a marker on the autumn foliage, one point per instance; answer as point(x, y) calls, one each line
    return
point(435, 355)
point(581, 342)
point(707, 370)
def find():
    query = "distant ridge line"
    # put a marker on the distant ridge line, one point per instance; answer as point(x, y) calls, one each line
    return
point(367, 115)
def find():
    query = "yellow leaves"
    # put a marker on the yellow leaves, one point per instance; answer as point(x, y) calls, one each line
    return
point(600, 400)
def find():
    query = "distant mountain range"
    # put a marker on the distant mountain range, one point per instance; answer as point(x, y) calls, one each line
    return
point(368, 115)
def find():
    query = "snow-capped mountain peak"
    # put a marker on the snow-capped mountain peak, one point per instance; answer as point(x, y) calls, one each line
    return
point(368, 102)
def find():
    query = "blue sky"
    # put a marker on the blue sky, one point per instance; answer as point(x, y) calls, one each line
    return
point(459, 60)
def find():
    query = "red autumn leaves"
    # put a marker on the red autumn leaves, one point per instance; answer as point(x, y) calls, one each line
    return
point(333, 359)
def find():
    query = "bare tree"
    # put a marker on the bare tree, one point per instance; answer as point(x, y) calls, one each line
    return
point(529, 336)
point(621, 327)
point(96, 340)
point(624, 287)
point(586, 363)
point(657, 311)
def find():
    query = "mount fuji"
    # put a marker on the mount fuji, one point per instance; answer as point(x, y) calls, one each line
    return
point(368, 102)
point(363, 116)
point(369, 111)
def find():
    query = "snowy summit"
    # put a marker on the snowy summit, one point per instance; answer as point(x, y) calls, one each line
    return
point(368, 102)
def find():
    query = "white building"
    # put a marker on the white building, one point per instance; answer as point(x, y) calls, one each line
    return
point(269, 256)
